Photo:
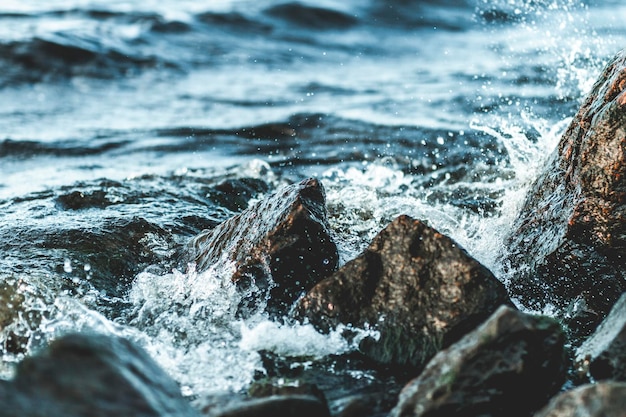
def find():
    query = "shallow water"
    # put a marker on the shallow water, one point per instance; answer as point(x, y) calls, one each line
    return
point(127, 127)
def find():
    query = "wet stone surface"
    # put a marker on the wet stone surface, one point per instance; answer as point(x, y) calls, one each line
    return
point(568, 247)
point(415, 286)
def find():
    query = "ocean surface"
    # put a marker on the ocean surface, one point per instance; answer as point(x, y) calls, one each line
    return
point(126, 127)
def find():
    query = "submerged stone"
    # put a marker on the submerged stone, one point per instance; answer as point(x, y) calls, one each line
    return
point(276, 406)
point(509, 366)
point(280, 247)
point(92, 375)
point(604, 399)
point(603, 354)
point(568, 246)
point(415, 286)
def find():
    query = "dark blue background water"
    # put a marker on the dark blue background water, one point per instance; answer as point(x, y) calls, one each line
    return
point(441, 109)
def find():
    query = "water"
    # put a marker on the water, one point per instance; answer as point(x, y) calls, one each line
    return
point(128, 127)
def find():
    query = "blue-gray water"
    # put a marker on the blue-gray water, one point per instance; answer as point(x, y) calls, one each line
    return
point(126, 116)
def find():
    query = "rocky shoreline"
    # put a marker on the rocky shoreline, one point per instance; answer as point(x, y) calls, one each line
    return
point(449, 340)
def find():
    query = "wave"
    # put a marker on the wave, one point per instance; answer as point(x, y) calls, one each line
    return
point(10, 148)
point(64, 55)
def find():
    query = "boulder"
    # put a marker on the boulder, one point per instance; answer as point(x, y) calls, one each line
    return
point(92, 375)
point(280, 247)
point(604, 399)
point(603, 355)
point(509, 366)
point(413, 285)
point(568, 245)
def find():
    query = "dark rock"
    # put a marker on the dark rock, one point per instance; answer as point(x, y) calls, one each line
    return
point(415, 286)
point(509, 366)
point(276, 406)
point(348, 382)
point(568, 246)
point(78, 200)
point(281, 247)
point(279, 386)
point(603, 355)
point(92, 375)
point(604, 399)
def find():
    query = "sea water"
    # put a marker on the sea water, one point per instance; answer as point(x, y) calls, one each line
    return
point(444, 110)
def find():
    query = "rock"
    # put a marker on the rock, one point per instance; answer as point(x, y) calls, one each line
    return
point(280, 247)
point(92, 375)
point(18, 317)
point(604, 399)
point(568, 245)
point(415, 286)
point(279, 386)
point(509, 366)
point(276, 406)
point(604, 353)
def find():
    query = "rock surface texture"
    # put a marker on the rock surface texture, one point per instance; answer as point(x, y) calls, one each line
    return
point(90, 375)
point(604, 353)
point(509, 366)
point(276, 406)
point(280, 247)
point(604, 399)
point(568, 249)
point(415, 286)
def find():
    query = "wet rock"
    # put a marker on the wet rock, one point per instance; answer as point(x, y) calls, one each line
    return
point(603, 355)
point(279, 386)
point(18, 319)
point(604, 399)
point(92, 375)
point(415, 286)
point(276, 406)
point(79, 200)
point(280, 247)
point(509, 366)
point(348, 383)
point(568, 247)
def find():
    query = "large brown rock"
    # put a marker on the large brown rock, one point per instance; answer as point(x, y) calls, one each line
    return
point(91, 375)
point(568, 246)
point(280, 247)
point(604, 399)
point(603, 354)
point(415, 286)
point(509, 366)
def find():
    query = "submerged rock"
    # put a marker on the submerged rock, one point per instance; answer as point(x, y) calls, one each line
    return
point(415, 286)
point(604, 399)
point(276, 406)
point(92, 375)
point(568, 247)
point(509, 366)
point(604, 353)
point(280, 247)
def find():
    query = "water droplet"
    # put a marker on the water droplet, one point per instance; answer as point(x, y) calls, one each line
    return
point(67, 266)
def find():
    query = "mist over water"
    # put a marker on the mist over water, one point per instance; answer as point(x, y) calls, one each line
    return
point(169, 117)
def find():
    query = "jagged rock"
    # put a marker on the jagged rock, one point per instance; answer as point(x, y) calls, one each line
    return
point(568, 246)
point(415, 286)
point(280, 247)
point(92, 375)
point(604, 353)
point(509, 366)
point(276, 406)
point(604, 399)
